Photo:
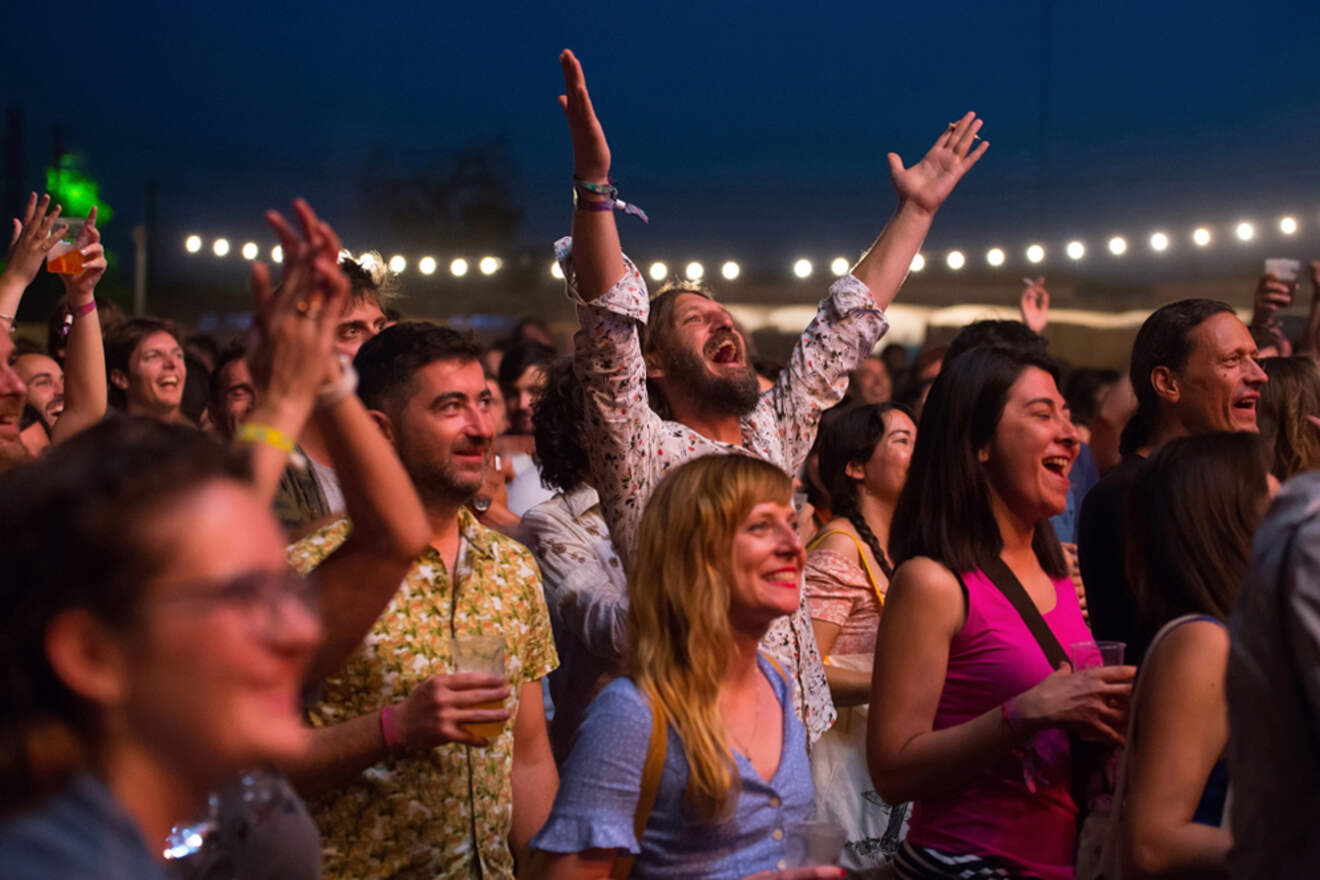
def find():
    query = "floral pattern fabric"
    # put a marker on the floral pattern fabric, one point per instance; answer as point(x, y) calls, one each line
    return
point(586, 590)
point(839, 592)
point(631, 448)
point(445, 814)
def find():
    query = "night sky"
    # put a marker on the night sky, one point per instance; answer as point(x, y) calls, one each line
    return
point(755, 131)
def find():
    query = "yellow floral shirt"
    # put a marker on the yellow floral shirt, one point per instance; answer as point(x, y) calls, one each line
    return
point(435, 816)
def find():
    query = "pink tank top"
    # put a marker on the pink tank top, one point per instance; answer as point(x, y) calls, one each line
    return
point(995, 657)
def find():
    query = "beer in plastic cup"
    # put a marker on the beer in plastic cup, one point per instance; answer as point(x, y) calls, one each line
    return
point(1283, 268)
point(1085, 655)
point(481, 654)
point(64, 257)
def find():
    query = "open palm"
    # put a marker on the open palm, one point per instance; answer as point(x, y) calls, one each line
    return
point(591, 154)
point(928, 183)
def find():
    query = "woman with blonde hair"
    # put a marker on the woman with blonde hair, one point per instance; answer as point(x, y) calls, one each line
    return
point(693, 764)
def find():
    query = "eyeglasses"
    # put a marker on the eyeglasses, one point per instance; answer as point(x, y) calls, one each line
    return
point(260, 596)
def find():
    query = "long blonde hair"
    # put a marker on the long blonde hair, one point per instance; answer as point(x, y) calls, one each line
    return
point(678, 609)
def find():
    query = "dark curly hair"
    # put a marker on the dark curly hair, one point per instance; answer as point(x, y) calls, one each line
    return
point(557, 422)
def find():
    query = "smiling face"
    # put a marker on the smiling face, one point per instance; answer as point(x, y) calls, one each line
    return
point(871, 381)
point(212, 672)
point(45, 385)
point(1218, 387)
point(1028, 459)
point(766, 564)
point(703, 359)
point(153, 385)
point(885, 472)
point(443, 432)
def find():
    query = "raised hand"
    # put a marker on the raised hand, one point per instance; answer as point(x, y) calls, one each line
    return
point(33, 237)
point(1035, 305)
point(591, 154)
point(294, 325)
point(928, 183)
point(1270, 296)
point(81, 287)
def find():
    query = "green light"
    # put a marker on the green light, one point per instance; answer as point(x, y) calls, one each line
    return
point(70, 187)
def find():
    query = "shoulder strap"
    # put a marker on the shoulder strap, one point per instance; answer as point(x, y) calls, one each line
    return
point(1007, 583)
point(652, 770)
point(775, 663)
point(861, 554)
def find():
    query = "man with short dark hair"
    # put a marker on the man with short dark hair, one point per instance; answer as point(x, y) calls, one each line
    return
point(409, 790)
point(12, 395)
point(145, 366)
point(1193, 370)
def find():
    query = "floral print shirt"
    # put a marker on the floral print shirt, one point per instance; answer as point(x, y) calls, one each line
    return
point(586, 589)
point(445, 814)
point(631, 448)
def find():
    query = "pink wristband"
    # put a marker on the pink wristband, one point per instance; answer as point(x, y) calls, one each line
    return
point(84, 309)
point(387, 728)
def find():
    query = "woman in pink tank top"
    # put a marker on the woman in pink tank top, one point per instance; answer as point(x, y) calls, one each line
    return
point(968, 719)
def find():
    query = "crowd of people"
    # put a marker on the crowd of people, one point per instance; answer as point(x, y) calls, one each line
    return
point(358, 597)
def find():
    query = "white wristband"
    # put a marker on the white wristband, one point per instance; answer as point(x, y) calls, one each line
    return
point(336, 390)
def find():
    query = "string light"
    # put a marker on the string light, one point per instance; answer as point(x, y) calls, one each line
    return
point(1036, 253)
point(426, 265)
point(1075, 250)
point(250, 251)
point(694, 271)
point(192, 244)
point(1201, 236)
point(658, 272)
point(1288, 225)
point(839, 266)
point(995, 256)
point(555, 271)
point(398, 263)
point(221, 247)
point(1244, 231)
point(1118, 245)
point(489, 265)
point(458, 268)
point(277, 254)
point(730, 270)
point(802, 268)
point(1159, 242)
point(918, 263)
point(955, 260)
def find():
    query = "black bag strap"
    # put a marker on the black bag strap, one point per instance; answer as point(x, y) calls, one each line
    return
point(1003, 578)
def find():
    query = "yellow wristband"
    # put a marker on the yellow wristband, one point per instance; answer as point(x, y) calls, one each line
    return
point(250, 432)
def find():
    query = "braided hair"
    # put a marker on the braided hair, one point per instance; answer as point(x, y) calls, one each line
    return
point(852, 437)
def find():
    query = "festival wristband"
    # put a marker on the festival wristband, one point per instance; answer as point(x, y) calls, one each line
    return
point(250, 432)
point(83, 310)
point(388, 729)
point(1017, 725)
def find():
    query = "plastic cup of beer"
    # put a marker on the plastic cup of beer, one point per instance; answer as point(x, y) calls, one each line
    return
point(65, 258)
point(483, 654)
point(814, 844)
point(1086, 655)
point(1283, 268)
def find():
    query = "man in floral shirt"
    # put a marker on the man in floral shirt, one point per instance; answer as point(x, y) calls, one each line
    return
point(404, 788)
point(685, 347)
